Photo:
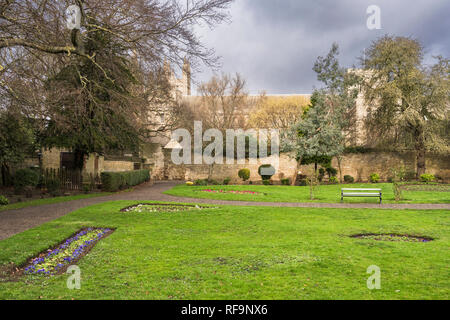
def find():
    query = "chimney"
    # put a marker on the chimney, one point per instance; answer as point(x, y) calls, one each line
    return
point(187, 76)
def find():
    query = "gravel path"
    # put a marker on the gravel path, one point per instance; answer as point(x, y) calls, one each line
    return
point(19, 220)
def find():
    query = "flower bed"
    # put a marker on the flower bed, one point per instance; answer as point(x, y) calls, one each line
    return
point(70, 251)
point(148, 207)
point(392, 237)
point(231, 191)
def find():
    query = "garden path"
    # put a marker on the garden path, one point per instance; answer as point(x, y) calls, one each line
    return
point(19, 220)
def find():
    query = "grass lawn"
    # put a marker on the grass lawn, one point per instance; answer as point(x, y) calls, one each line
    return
point(324, 193)
point(241, 253)
point(39, 202)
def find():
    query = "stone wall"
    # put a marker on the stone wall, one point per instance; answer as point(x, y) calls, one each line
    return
point(117, 166)
point(51, 158)
point(360, 166)
point(193, 172)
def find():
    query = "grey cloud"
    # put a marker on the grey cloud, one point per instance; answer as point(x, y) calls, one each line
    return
point(274, 44)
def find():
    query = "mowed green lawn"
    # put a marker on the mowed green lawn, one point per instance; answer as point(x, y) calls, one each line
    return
point(38, 202)
point(324, 193)
point(241, 253)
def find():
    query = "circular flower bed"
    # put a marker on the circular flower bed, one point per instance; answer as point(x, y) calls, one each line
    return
point(57, 260)
point(392, 237)
point(147, 207)
point(231, 191)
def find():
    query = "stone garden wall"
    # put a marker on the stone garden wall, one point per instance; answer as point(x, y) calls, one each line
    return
point(360, 166)
point(221, 171)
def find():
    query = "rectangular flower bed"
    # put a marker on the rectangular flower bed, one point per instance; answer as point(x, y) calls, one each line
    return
point(57, 260)
point(231, 191)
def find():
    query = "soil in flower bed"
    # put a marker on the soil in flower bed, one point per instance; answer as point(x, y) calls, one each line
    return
point(231, 191)
point(57, 259)
point(392, 237)
point(149, 207)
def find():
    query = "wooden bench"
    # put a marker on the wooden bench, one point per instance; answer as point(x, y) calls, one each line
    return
point(352, 192)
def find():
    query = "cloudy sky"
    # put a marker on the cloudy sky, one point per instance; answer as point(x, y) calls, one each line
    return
point(274, 43)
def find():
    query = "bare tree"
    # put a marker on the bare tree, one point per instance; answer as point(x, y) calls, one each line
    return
point(223, 102)
point(100, 80)
point(152, 29)
point(222, 105)
point(278, 112)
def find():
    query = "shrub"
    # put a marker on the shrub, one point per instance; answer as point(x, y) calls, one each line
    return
point(53, 185)
point(286, 182)
point(201, 182)
point(349, 179)
point(333, 180)
point(189, 183)
point(374, 177)
point(332, 172)
point(266, 171)
point(114, 181)
point(398, 174)
point(397, 191)
point(410, 175)
point(86, 188)
point(3, 201)
point(25, 178)
point(427, 178)
point(303, 182)
point(244, 174)
point(55, 193)
point(226, 181)
point(266, 182)
point(214, 182)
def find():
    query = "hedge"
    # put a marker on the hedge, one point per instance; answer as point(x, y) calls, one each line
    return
point(25, 178)
point(114, 181)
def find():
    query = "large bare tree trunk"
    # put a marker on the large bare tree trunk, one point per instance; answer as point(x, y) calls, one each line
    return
point(420, 158)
